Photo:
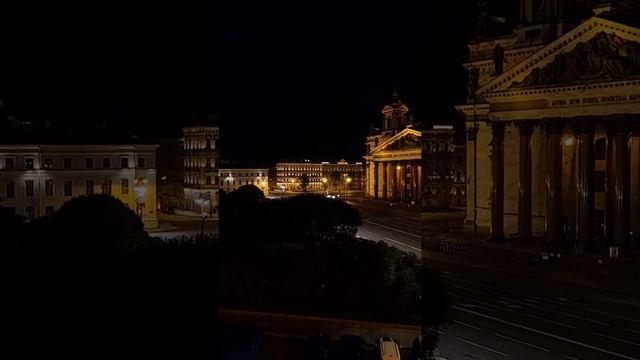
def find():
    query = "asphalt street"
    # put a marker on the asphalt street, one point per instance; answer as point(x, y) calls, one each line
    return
point(395, 227)
point(500, 315)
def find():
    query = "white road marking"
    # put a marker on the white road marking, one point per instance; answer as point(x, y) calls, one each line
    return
point(550, 321)
point(492, 306)
point(611, 315)
point(468, 325)
point(583, 318)
point(499, 289)
point(522, 342)
point(403, 244)
point(523, 303)
point(471, 290)
point(557, 337)
point(550, 301)
point(570, 357)
point(482, 347)
point(616, 339)
point(394, 229)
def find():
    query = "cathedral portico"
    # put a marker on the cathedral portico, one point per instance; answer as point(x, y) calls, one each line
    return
point(553, 146)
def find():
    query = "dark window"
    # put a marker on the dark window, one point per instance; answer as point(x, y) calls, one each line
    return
point(106, 187)
point(11, 189)
point(28, 188)
point(48, 211)
point(48, 187)
point(106, 163)
point(48, 163)
point(11, 210)
point(124, 162)
point(28, 163)
point(88, 163)
point(66, 163)
point(31, 212)
point(124, 186)
point(68, 188)
point(599, 181)
point(9, 163)
point(208, 180)
point(88, 187)
point(141, 162)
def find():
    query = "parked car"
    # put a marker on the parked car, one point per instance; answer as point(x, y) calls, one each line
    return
point(240, 342)
point(318, 347)
point(351, 347)
point(389, 349)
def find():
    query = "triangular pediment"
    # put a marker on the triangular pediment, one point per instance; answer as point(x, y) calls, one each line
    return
point(598, 50)
point(405, 139)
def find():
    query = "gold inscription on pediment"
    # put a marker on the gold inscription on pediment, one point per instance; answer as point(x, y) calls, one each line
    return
point(595, 100)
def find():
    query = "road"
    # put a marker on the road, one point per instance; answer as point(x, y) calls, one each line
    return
point(174, 226)
point(395, 227)
point(500, 316)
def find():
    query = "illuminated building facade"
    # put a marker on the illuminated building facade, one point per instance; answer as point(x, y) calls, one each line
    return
point(201, 158)
point(393, 161)
point(232, 179)
point(289, 175)
point(444, 168)
point(553, 147)
point(35, 180)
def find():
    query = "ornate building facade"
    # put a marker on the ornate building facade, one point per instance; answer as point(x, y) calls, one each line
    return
point(288, 175)
point(201, 161)
point(552, 117)
point(232, 179)
point(36, 180)
point(393, 161)
point(444, 168)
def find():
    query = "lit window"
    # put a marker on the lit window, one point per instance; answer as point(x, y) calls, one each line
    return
point(124, 186)
point(28, 163)
point(48, 163)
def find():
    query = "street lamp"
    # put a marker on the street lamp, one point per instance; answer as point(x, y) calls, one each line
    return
point(348, 180)
point(324, 184)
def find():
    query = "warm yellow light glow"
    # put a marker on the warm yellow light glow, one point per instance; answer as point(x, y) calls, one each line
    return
point(324, 180)
point(569, 141)
point(348, 180)
point(398, 167)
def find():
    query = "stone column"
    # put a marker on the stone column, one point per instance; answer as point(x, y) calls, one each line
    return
point(524, 196)
point(384, 181)
point(623, 187)
point(497, 181)
point(394, 179)
point(610, 188)
point(586, 168)
point(414, 180)
point(375, 179)
point(554, 130)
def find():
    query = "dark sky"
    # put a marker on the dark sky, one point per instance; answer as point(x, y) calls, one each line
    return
point(288, 78)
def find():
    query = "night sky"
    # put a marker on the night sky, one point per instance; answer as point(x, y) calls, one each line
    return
point(288, 79)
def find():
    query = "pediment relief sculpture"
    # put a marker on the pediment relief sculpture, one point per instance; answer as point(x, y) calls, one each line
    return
point(604, 57)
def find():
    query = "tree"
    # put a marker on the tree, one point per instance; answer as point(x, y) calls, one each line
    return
point(334, 179)
point(304, 181)
point(97, 226)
